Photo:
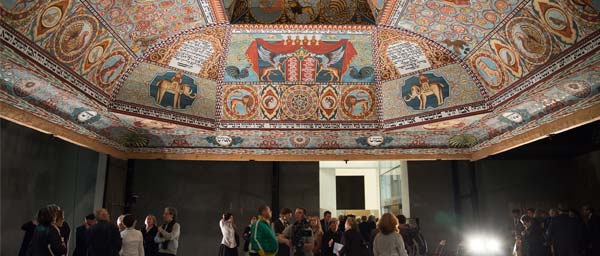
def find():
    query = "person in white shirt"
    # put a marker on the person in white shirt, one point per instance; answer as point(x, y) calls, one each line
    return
point(133, 241)
point(228, 244)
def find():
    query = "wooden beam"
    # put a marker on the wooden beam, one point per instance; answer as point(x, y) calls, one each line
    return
point(27, 119)
point(298, 158)
point(575, 119)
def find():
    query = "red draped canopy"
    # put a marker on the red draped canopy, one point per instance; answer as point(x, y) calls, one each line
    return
point(315, 47)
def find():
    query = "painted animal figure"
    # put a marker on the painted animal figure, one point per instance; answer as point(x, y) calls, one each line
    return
point(110, 70)
point(416, 91)
point(588, 5)
point(298, 9)
point(274, 60)
point(327, 60)
point(176, 89)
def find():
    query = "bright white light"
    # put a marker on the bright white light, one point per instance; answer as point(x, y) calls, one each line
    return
point(483, 245)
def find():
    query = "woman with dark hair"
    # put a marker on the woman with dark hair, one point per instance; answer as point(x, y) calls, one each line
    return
point(63, 226)
point(246, 235)
point(388, 242)
point(46, 239)
point(228, 243)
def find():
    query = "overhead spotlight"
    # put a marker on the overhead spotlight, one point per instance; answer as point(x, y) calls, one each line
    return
point(483, 244)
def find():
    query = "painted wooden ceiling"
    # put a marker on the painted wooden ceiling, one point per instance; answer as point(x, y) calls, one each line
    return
point(326, 78)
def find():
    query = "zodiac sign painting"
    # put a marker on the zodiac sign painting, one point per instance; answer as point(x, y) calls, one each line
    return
point(241, 102)
point(358, 102)
point(75, 37)
point(424, 91)
point(174, 90)
point(304, 59)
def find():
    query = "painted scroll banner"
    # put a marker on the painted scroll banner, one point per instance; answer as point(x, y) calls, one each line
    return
point(407, 57)
point(191, 55)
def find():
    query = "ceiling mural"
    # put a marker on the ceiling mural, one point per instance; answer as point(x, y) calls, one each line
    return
point(69, 32)
point(198, 52)
point(401, 53)
point(536, 34)
point(458, 24)
point(141, 23)
point(432, 92)
point(291, 55)
point(340, 12)
point(243, 78)
point(167, 92)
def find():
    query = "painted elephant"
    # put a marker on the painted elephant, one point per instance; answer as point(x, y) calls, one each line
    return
point(417, 91)
point(176, 89)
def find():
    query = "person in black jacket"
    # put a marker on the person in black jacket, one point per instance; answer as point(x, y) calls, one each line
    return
point(81, 235)
point(565, 233)
point(532, 237)
point(149, 231)
point(103, 238)
point(330, 238)
point(28, 227)
point(592, 230)
point(246, 235)
point(279, 226)
point(353, 243)
point(63, 226)
point(46, 238)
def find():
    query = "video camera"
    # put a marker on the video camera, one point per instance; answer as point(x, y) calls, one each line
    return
point(301, 234)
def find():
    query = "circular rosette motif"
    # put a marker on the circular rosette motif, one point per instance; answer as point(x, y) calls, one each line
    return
point(579, 88)
point(462, 141)
point(299, 141)
point(266, 11)
point(300, 102)
point(530, 39)
point(358, 102)
point(74, 37)
point(338, 11)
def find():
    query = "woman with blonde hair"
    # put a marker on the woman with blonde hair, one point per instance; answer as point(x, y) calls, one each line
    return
point(149, 231)
point(315, 225)
point(354, 245)
point(331, 237)
point(388, 242)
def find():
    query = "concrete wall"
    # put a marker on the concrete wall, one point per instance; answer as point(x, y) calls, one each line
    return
point(38, 169)
point(202, 191)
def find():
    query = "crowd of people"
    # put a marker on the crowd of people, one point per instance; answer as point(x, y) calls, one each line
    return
point(295, 233)
point(558, 232)
point(48, 234)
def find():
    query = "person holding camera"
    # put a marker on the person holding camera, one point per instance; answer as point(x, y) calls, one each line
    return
point(299, 236)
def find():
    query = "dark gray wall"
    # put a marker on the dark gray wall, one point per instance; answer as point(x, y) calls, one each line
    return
point(202, 191)
point(501, 185)
point(38, 169)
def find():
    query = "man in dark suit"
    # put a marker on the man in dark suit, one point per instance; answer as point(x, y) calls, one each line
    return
point(81, 235)
point(592, 230)
point(103, 238)
point(565, 233)
point(325, 221)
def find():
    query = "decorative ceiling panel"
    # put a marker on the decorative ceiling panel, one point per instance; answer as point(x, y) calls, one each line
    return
point(300, 54)
point(537, 35)
point(459, 24)
point(141, 23)
point(337, 12)
point(439, 93)
point(170, 94)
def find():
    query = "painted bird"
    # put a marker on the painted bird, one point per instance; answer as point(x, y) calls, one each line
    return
point(236, 73)
point(364, 72)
